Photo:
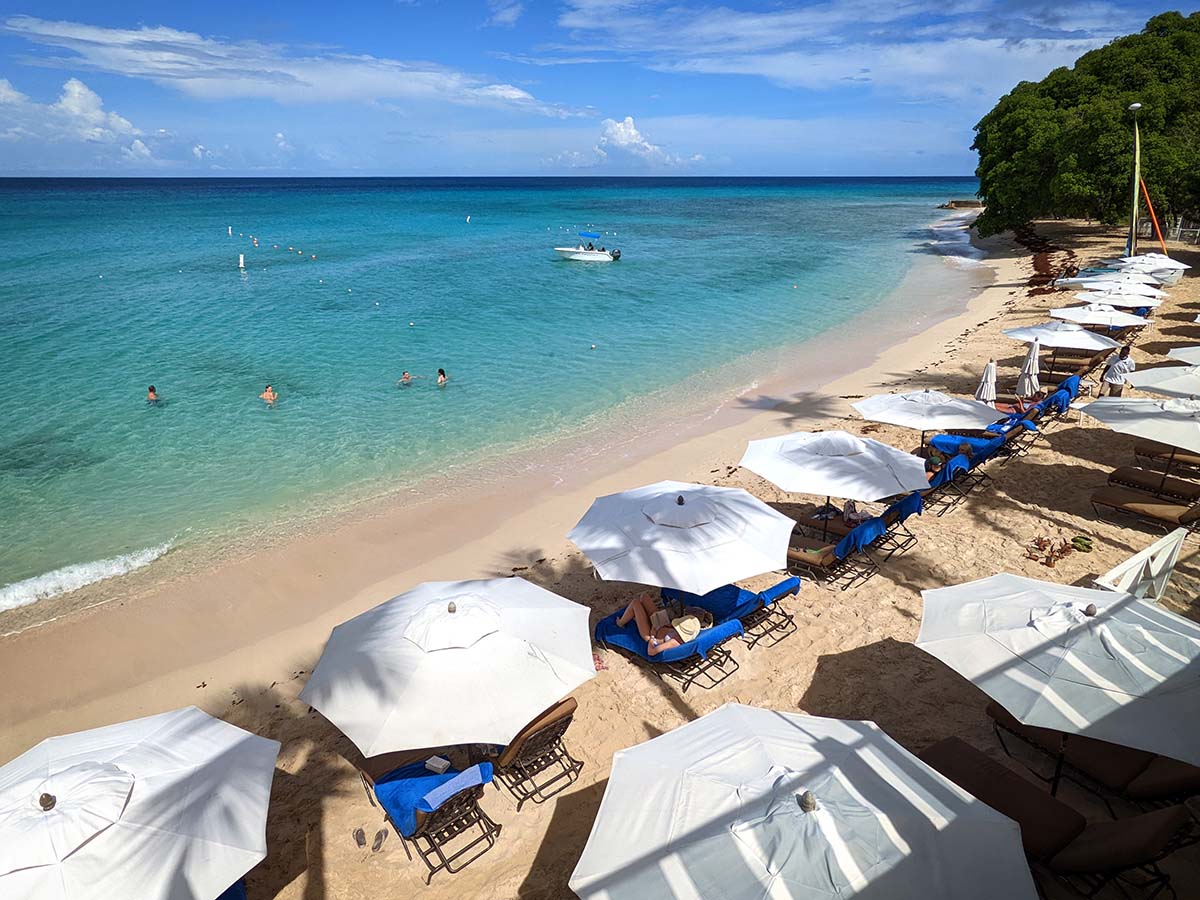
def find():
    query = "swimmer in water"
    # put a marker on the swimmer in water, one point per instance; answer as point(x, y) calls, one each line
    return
point(442, 378)
point(151, 395)
point(405, 378)
point(269, 396)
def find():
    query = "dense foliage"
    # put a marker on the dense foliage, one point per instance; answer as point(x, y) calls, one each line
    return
point(1063, 146)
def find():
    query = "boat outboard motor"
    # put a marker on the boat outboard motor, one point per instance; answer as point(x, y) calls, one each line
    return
point(615, 254)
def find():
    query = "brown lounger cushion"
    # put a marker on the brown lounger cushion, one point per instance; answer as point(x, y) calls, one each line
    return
point(1164, 778)
point(835, 526)
point(811, 552)
point(559, 710)
point(1047, 826)
point(1155, 450)
point(1154, 483)
point(1109, 846)
point(1138, 503)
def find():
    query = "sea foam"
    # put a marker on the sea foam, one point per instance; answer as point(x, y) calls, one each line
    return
point(71, 578)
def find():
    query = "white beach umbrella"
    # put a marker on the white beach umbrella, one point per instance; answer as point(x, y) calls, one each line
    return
point(1171, 381)
point(1172, 422)
point(752, 804)
point(451, 662)
point(169, 807)
point(1157, 260)
point(1098, 663)
point(1027, 381)
point(986, 392)
point(926, 411)
point(692, 537)
point(1120, 300)
point(1119, 287)
point(1123, 277)
point(1099, 314)
point(1189, 355)
point(835, 464)
point(1062, 335)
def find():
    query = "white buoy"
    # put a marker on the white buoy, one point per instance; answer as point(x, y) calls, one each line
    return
point(468, 220)
point(231, 231)
point(241, 261)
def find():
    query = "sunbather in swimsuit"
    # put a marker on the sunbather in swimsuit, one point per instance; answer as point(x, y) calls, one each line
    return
point(643, 609)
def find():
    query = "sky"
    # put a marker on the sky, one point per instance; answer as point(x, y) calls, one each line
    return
point(522, 87)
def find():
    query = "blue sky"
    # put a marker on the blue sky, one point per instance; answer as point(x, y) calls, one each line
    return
point(522, 87)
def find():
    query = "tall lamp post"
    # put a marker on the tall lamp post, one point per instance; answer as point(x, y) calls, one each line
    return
point(1137, 180)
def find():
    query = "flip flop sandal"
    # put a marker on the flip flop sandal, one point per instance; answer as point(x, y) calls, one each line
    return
point(380, 837)
point(360, 838)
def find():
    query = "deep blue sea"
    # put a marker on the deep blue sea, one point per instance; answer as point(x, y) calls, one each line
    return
point(109, 286)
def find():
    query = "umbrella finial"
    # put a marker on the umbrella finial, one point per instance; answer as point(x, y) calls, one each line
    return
point(47, 801)
point(679, 501)
point(1090, 610)
point(807, 801)
point(451, 607)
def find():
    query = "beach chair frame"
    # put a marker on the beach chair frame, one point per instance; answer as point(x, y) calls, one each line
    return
point(855, 569)
point(770, 622)
point(460, 815)
point(543, 766)
point(695, 670)
point(1165, 527)
point(897, 540)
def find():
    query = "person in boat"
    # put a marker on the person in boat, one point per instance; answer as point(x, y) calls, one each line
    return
point(442, 377)
point(269, 396)
point(589, 246)
point(151, 395)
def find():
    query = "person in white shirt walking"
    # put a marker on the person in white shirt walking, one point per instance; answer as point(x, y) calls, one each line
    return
point(1115, 373)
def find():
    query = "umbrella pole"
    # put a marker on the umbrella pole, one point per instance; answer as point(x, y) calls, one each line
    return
point(825, 521)
point(1053, 359)
point(1167, 469)
point(1058, 766)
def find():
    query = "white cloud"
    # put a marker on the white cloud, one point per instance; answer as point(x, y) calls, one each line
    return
point(77, 116)
point(210, 68)
point(504, 13)
point(9, 94)
point(137, 152)
point(620, 144)
point(282, 144)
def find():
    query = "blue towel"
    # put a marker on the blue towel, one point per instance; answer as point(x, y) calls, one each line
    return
point(731, 601)
point(911, 505)
point(860, 537)
point(1058, 402)
point(235, 892)
point(948, 444)
point(412, 788)
point(1071, 386)
point(953, 467)
point(627, 638)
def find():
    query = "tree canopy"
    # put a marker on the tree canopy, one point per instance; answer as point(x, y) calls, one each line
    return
point(1063, 146)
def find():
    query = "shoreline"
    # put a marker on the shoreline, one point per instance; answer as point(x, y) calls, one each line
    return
point(250, 617)
point(633, 429)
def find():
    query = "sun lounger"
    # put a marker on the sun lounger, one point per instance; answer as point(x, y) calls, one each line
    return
point(949, 487)
point(847, 561)
point(1164, 454)
point(1160, 512)
point(1152, 482)
point(536, 765)
point(1059, 842)
point(703, 661)
point(1107, 770)
point(438, 815)
point(762, 615)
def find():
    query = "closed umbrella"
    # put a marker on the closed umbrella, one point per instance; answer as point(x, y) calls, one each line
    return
point(1103, 664)
point(1171, 381)
point(692, 537)
point(1189, 355)
point(986, 392)
point(1155, 260)
point(752, 804)
point(169, 807)
point(926, 411)
point(1099, 314)
point(1027, 381)
point(451, 662)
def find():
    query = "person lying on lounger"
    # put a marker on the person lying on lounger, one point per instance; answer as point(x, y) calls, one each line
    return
point(645, 610)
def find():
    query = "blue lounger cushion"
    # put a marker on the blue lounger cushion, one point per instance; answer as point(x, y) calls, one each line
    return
point(411, 789)
point(860, 537)
point(1071, 386)
point(1058, 402)
point(912, 505)
point(236, 891)
point(731, 601)
point(628, 638)
point(952, 468)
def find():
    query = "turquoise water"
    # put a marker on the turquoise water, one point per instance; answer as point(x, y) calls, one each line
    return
point(110, 286)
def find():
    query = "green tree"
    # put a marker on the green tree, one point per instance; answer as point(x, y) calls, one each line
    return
point(1063, 146)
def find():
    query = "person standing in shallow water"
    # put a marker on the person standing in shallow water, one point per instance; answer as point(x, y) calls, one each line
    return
point(442, 377)
point(269, 396)
point(151, 395)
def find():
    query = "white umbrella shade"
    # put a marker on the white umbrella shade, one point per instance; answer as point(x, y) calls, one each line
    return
point(1172, 422)
point(169, 807)
point(1099, 314)
point(1189, 355)
point(1027, 381)
point(835, 464)
point(986, 392)
point(1119, 299)
point(1129, 674)
point(451, 662)
point(1171, 381)
point(1121, 287)
point(926, 411)
point(1123, 277)
point(1156, 260)
point(713, 810)
point(1061, 336)
point(714, 537)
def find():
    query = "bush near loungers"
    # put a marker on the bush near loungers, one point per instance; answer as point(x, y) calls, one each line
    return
point(703, 661)
point(1059, 842)
point(1160, 512)
point(762, 615)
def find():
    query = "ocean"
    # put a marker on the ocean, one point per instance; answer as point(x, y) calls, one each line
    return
point(113, 285)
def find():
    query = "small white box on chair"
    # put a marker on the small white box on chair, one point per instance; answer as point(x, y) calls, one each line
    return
point(437, 764)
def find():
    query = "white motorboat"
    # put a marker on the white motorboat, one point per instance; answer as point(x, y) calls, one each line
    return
point(586, 251)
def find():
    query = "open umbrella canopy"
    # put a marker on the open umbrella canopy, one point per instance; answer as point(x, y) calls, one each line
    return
point(926, 411)
point(692, 537)
point(835, 464)
point(1172, 422)
point(1155, 260)
point(1027, 381)
point(1098, 663)
point(986, 392)
point(1122, 277)
point(752, 804)
point(1189, 355)
point(1170, 381)
point(1099, 314)
point(1128, 289)
point(451, 662)
point(1119, 299)
point(169, 807)
point(1062, 335)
